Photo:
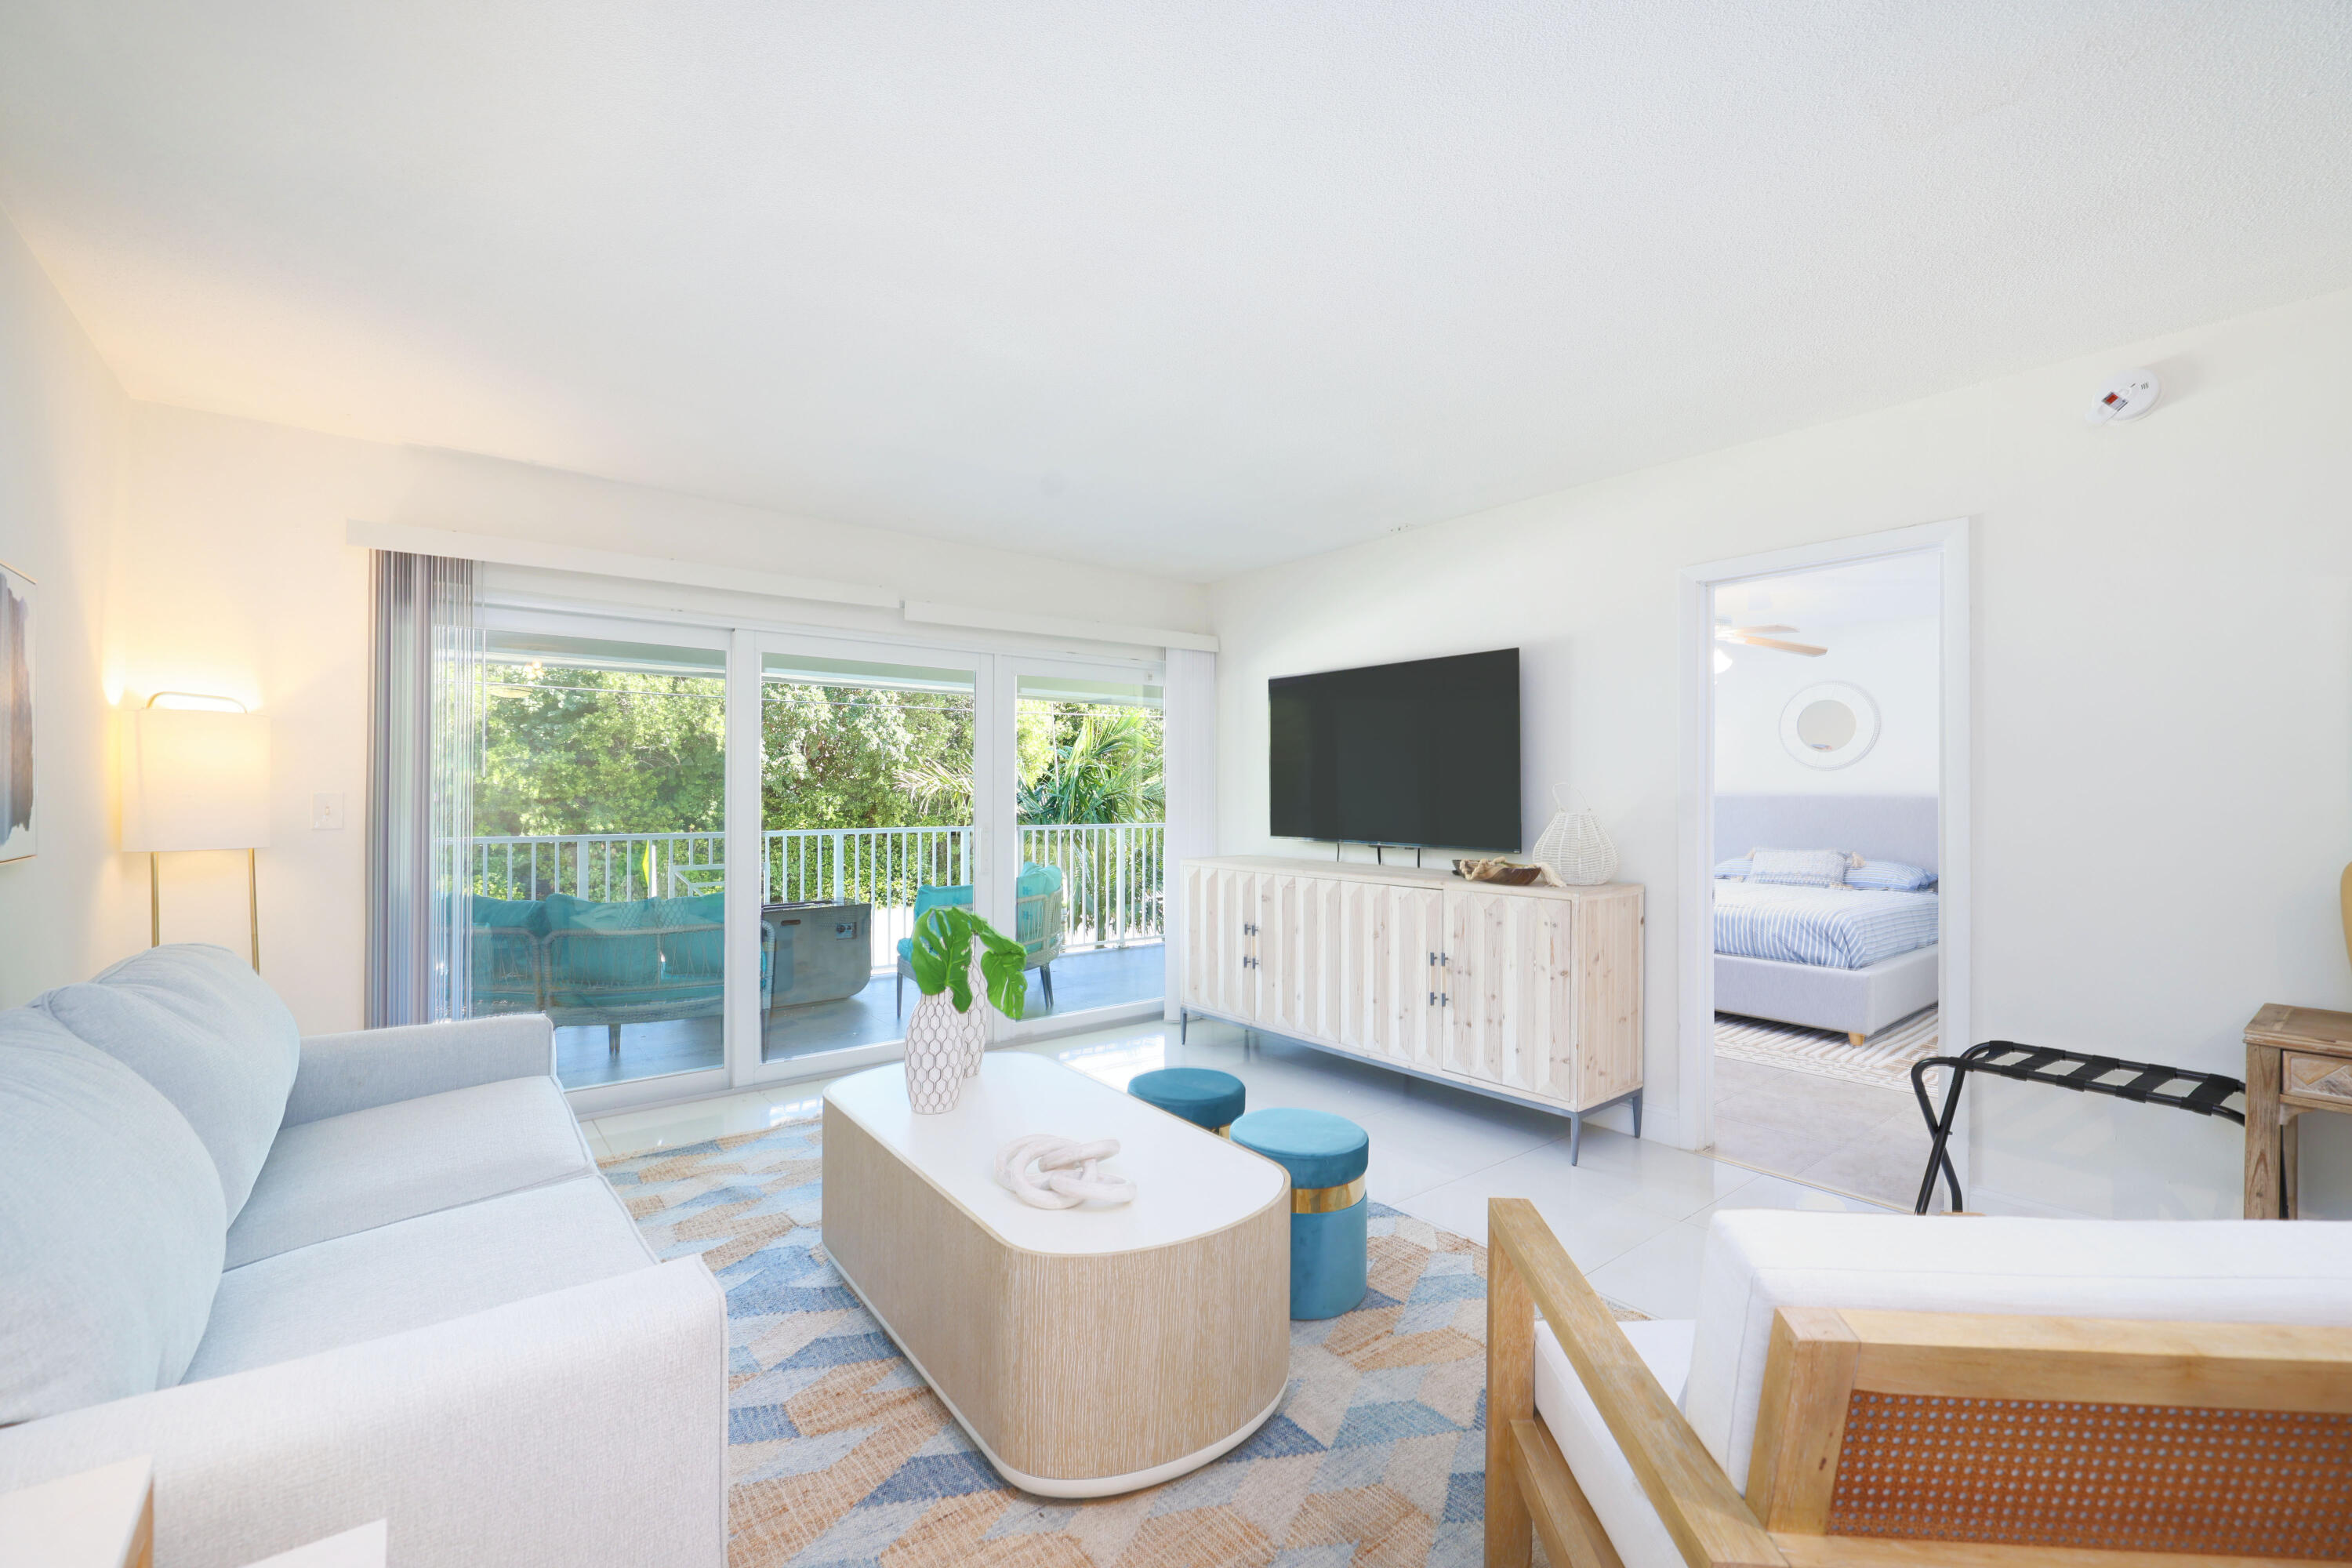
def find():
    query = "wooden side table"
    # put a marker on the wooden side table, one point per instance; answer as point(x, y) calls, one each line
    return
point(2297, 1059)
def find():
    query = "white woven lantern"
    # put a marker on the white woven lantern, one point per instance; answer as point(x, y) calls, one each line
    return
point(1573, 846)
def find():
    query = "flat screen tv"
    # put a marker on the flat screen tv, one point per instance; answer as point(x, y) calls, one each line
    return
point(1424, 752)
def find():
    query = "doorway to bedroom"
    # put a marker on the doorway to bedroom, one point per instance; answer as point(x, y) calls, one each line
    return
point(1824, 798)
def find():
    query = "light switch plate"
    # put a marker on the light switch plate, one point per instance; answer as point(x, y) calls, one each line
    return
point(327, 812)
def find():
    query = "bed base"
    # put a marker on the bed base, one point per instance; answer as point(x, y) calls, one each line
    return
point(1860, 1002)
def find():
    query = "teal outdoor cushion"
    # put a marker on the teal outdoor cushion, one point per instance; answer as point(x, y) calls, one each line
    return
point(508, 914)
point(1201, 1096)
point(621, 948)
point(1035, 882)
point(950, 895)
point(1318, 1148)
point(700, 953)
point(567, 912)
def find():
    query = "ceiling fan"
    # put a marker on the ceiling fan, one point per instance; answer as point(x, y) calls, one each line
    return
point(1753, 637)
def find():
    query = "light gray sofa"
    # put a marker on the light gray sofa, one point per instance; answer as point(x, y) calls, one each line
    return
point(324, 1282)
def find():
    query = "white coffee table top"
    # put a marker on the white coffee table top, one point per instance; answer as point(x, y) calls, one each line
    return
point(1189, 1183)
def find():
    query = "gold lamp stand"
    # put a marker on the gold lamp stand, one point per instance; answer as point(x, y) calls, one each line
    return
point(155, 902)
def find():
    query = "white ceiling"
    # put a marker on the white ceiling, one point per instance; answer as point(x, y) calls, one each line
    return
point(1187, 289)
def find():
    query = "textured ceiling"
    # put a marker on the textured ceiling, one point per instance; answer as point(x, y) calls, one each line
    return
point(1187, 288)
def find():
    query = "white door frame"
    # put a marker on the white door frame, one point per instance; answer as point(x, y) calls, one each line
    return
point(659, 1088)
point(1695, 795)
point(1012, 668)
point(989, 774)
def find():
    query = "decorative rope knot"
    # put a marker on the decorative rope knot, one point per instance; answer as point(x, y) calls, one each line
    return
point(1068, 1171)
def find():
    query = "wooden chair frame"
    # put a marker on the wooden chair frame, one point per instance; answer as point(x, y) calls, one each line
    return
point(1819, 1359)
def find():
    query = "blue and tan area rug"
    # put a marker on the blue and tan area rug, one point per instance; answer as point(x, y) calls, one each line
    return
point(841, 1456)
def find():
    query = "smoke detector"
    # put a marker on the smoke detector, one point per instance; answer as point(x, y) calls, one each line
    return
point(2127, 395)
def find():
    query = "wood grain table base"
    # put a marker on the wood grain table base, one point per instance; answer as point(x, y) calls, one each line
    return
point(1079, 1375)
point(1062, 1486)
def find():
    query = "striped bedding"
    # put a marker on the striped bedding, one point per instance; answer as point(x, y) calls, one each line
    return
point(1834, 928)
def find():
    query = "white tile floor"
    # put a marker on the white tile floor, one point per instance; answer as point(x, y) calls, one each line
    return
point(1633, 1214)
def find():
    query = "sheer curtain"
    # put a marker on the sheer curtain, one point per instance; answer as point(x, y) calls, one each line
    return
point(424, 729)
point(1190, 764)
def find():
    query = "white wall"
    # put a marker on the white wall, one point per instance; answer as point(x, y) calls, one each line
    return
point(233, 575)
point(62, 439)
point(2163, 690)
point(1895, 661)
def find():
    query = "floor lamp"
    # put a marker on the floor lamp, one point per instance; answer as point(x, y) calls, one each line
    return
point(195, 775)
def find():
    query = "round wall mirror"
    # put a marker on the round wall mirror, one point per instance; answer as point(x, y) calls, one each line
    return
point(1831, 726)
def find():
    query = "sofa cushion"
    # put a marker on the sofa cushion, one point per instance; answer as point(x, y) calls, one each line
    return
point(1593, 1455)
point(390, 1163)
point(110, 1226)
point(197, 1023)
point(2218, 1271)
point(418, 1272)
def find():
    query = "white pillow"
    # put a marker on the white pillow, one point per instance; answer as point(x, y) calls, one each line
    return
point(197, 1023)
point(1799, 867)
point(112, 1226)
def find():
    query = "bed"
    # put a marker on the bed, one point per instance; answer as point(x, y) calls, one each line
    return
point(1824, 958)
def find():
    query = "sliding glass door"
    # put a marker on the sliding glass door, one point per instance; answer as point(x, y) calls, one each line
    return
point(598, 860)
point(701, 852)
point(867, 795)
point(1091, 799)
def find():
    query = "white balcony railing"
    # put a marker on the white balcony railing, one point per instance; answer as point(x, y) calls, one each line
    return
point(1112, 873)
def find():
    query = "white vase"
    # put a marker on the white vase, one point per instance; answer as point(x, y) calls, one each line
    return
point(938, 1049)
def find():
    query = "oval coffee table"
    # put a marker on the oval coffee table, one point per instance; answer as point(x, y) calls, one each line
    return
point(1087, 1350)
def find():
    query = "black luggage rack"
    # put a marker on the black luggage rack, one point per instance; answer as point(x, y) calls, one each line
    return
point(2201, 1092)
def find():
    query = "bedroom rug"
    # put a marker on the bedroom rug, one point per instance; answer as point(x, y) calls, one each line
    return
point(839, 1455)
point(1885, 1059)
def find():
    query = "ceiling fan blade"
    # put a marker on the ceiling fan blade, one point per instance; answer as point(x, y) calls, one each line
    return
point(1806, 649)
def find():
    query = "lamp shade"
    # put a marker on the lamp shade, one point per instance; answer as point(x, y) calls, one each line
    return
point(196, 780)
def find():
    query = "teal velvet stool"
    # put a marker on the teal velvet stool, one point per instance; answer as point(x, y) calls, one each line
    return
point(1326, 1156)
point(1205, 1098)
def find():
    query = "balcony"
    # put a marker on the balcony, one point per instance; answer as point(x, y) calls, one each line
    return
point(633, 1003)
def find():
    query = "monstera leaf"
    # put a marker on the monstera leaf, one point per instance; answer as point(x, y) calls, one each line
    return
point(941, 960)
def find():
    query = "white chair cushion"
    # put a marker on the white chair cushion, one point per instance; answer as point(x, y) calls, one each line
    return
point(1757, 1261)
point(420, 1271)
point(390, 1163)
point(1593, 1455)
point(110, 1223)
point(197, 1023)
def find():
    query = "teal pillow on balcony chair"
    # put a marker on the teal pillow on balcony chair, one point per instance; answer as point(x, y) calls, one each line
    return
point(1036, 923)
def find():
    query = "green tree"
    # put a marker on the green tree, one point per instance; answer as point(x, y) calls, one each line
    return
point(842, 757)
point(571, 751)
point(593, 751)
point(1101, 765)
